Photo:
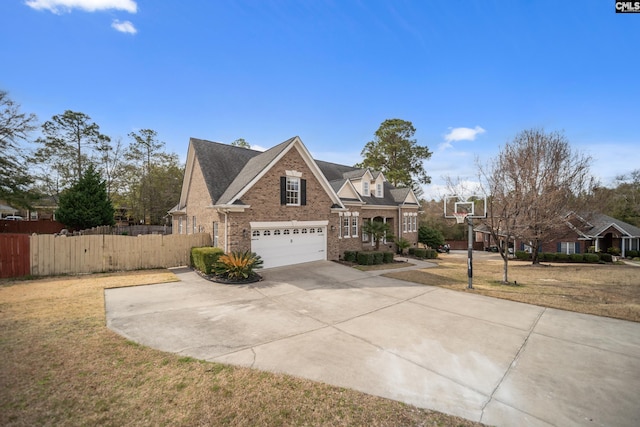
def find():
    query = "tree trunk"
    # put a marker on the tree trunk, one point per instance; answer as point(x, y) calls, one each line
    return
point(505, 268)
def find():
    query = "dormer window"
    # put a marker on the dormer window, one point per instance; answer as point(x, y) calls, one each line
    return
point(379, 190)
point(365, 188)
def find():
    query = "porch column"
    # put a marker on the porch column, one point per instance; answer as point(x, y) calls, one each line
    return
point(624, 239)
point(384, 240)
point(597, 244)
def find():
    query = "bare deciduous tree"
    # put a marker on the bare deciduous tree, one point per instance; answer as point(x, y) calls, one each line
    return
point(533, 182)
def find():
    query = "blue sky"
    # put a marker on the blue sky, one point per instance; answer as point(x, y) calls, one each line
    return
point(469, 75)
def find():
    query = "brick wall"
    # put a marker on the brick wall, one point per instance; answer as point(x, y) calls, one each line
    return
point(264, 199)
point(198, 205)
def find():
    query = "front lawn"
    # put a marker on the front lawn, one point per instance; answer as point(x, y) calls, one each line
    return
point(599, 289)
point(62, 366)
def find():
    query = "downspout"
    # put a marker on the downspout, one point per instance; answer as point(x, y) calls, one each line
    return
point(399, 222)
point(226, 225)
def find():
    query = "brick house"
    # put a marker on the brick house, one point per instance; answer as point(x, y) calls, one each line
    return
point(578, 235)
point(286, 206)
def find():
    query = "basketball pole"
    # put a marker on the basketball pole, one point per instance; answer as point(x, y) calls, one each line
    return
point(470, 253)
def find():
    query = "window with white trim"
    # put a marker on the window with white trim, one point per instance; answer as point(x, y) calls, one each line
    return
point(215, 233)
point(354, 226)
point(405, 225)
point(379, 190)
point(193, 224)
point(293, 191)
point(345, 226)
point(365, 188)
point(568, 248)
point(365, 236)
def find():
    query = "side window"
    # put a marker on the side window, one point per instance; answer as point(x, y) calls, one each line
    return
point(293, 191)
point(365, 188)
point(378, 190)
point(216, 225)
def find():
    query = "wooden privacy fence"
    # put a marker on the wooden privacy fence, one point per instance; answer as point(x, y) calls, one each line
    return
point(14, 255)
point(52, 254)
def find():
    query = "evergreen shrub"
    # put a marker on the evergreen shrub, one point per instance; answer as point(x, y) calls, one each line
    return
point(365, 258)
point(561, 257)
point(350, 256)
point(576, 257)
point(388, 257)
point(548, 256)
point(591, 258)
point(378, 258)
point(523, 255)
point(203, 258)
point(420, 253)
point(605, 257)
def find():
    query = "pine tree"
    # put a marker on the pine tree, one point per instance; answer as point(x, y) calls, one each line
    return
point(86, 203)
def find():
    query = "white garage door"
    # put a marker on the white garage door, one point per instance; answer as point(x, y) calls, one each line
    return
point(286, 243)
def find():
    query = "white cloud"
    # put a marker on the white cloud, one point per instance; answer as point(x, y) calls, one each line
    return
point(460, 134)
point(59, 6)
point(124, 26)
point(258, 148)
point(463, 134)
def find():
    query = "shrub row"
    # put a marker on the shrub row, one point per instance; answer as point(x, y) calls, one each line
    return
point(562, 257)
point(203, 258)
point(368, 257)
point(632, 254)
point(423, 253)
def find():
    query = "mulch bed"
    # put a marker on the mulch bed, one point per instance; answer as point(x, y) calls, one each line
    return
point(255, 277)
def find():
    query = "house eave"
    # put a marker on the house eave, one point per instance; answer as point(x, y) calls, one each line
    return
point(227, 208)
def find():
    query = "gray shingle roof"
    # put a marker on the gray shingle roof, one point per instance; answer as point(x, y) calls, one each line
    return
point(334, 171)
point(220, 164)
point(253, 167)
point(228, 169)
point(601, 222)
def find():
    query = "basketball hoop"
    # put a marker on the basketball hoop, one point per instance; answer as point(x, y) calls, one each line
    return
point(460, 217)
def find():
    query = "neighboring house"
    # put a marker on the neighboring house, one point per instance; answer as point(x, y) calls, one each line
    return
point(6, 210)
point(286, 206)
point(599, 232)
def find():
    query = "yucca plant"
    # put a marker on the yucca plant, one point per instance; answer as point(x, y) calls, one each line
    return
point(237, 265)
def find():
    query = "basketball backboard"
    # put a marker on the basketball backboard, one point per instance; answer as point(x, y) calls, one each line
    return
point(474, 206)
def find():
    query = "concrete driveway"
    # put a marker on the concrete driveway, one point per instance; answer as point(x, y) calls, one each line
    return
point(498, 362)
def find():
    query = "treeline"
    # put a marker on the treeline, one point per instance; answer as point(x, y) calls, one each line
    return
point(141, 179)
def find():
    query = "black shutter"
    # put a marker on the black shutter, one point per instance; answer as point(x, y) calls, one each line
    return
point(283, 190)
point(303, 192)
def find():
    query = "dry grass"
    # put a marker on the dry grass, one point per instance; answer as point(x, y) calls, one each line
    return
point(602, 290)
point(62, 366)
point(391, 266)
